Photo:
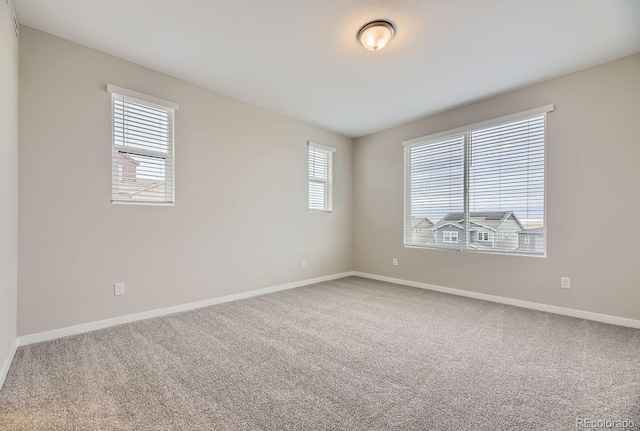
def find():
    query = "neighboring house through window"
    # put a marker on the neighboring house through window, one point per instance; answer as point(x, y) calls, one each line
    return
point(142, 165)
point(320, 177)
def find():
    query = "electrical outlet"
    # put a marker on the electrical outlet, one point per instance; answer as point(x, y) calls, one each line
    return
point(395, 261)
point(303, 263)
point(118, 289)
point(565, 282)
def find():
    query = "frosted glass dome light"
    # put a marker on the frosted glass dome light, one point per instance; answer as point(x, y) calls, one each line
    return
point(376, 34)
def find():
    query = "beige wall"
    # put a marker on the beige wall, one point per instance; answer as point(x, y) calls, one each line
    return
point(593, 151)
point(8, 182)
point(240, 222)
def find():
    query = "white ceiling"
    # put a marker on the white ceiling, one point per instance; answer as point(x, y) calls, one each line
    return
point(300, 57)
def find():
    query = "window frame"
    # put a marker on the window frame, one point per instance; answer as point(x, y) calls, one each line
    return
point(328, 182)
point(168, 157)
point(465, 130)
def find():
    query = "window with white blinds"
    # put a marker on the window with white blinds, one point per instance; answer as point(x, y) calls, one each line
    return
point(320, 177)
point(142, 165)
point(479, 188)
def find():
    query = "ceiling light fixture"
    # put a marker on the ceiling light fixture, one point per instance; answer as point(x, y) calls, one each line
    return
point(376, 34)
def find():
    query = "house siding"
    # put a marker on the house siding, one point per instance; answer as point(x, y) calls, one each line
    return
point(449, 228)
point(421, 232)
point(490, 242)
point(507, 238)
point(536, 243)
point(422, 236)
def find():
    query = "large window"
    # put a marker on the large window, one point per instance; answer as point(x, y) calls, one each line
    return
point(142, 163)
point(320, 177)
point(485, 183)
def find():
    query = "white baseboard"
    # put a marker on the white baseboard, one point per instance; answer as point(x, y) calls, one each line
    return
point(7, 364)
point(93, 326)
point(587, 315)
point(101, 324)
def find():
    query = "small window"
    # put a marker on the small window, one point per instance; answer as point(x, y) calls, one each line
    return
point(320, 177)
point(527, 239)
point(450, 237)
point(483, 236)
point(142, 162)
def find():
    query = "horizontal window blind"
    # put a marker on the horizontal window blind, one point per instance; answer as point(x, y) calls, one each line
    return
point(479, 189)
point(320, 177)
point(142, 151)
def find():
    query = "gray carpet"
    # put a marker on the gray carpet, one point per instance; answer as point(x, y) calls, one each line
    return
point(350, 354)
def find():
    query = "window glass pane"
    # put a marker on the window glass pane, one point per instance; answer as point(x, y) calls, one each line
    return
point(318, 164)
point(316, 195)
point(436, 189)
point(139, 126)
point(506, 180)
point(140, 178)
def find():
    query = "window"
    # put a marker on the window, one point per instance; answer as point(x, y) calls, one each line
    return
point(142, 162)
point(450, 237)
point(527, 239)
point(488, 176)
point(320, 177)
point(483, 236)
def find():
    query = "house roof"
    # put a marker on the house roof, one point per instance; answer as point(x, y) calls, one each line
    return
point(491, 220)
point(423, 222)
point(127, 157)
